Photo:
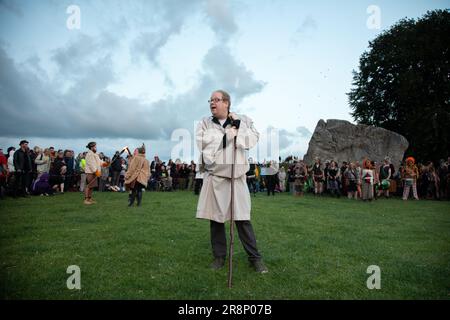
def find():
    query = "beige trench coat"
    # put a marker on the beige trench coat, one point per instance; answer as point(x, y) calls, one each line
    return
point(138, 170)
point(215, 197)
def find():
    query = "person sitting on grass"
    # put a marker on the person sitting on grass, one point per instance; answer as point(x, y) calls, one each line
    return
point(41, 186)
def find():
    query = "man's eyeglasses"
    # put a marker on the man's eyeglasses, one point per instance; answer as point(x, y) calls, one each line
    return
point(215, 100)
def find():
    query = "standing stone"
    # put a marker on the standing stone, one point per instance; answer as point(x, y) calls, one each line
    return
point(341, 140)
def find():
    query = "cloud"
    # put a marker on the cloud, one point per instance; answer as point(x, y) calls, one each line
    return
point(82, 53)
point(11, 6)
point(293, 142)
point(286, 138)
point(308, 24)
point(221, 19)
point(304, 132)
point(88, 109)
point(306, 28)
point(223, 71)
point(169, 18)
point(73, 103)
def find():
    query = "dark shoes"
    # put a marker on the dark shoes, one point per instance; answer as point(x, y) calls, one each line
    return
point(139, 197)
point(135, 195)
point(131, 198)
point(259, 266)
point(218, 263)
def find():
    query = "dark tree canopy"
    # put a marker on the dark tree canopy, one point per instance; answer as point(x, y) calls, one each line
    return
point(403, 84)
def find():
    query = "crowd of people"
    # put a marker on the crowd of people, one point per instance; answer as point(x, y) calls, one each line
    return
point(36, 171)
point(366, 180)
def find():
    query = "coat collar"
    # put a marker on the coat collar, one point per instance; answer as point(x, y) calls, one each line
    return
point(227, 121)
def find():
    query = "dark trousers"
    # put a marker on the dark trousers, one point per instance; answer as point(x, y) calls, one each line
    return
point(251, 183)
point(136, 193)
point(198, 186)
point(246, 234)
point(271, 183)
point(22, 181)
point(115, 178)
point(68, 182)
point(2, 186)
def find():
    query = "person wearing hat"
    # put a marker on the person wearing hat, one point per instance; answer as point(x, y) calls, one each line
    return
point(215, 136)
point(22, 167)
point(137, 176)
point(92, 171)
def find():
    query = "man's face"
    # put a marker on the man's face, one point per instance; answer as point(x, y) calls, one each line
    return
point(219, 108)
point(24, 146)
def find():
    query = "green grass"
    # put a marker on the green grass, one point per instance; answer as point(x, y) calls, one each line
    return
point(315, 248)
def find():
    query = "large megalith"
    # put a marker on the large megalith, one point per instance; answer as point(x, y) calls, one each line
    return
point(341, 140)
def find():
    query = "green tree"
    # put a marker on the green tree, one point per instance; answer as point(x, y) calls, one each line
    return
point(403, 84)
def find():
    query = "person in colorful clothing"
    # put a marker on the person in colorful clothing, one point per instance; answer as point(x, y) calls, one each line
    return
point(367, 181)
point(409, 175)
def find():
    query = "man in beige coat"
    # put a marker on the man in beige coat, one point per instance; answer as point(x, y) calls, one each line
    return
point(93, 171)
point(215, 136)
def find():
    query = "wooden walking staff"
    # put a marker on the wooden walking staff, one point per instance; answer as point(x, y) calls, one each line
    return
point(230, 258)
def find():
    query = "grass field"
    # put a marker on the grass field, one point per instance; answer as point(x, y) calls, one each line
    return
point(315, 248)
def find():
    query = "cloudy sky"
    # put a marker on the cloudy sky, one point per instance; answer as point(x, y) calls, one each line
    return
point(128, 72)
